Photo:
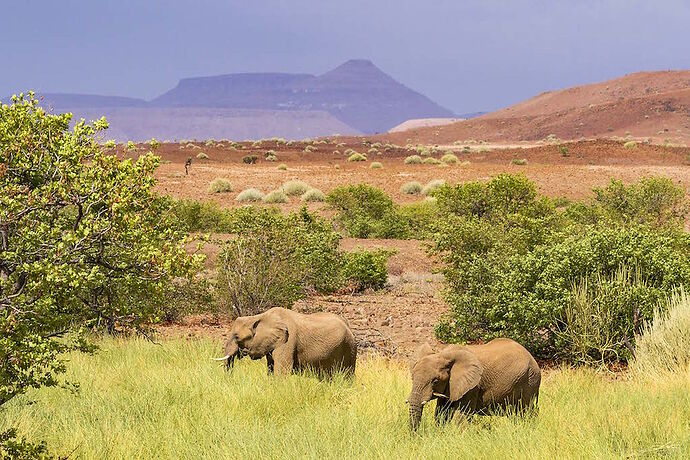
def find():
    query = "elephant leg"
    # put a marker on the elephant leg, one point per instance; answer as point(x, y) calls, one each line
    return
point(269, 363)
point(284, 359)
point(445, 408)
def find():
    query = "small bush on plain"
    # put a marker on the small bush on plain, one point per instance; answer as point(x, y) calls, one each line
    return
point(250, 195)
point(313, 195)
point(357, 157)
point(432, 186)
point(220, 185)
point(363, 269)
point(274, 197)
point(376, 165)
point(411, 188)
point(449, 159)
point(295, 187)
point(413, 160)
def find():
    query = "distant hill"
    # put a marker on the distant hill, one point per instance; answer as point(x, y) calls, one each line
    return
point(354, 98)
point(357, 92)
point(653, 105)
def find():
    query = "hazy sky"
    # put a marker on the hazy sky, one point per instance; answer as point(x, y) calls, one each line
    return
point(467, 55)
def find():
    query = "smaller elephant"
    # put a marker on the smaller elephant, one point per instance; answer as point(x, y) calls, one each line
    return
point(475, 379)
point(292, 341)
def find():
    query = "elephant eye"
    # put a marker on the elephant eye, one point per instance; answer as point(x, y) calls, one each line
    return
point(434, 380)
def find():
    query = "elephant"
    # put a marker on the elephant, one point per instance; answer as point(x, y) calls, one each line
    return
point(292, 341)
point(476, 379)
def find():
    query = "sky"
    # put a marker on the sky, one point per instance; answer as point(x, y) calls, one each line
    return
point(469, 55)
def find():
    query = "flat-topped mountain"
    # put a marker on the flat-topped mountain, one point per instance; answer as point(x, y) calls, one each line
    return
point(357, 93)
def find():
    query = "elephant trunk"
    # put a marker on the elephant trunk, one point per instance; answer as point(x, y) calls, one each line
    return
point(416, 407)
point(231, 351)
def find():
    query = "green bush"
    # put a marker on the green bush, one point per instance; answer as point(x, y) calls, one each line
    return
point(276, 259)
point(250, 195)
point(432, 186)
point(357, 157)
point(431, 161)
point(220, 185)
point(271, 156)
point(450, 159)
point(630, 145)
point(249, 159)
point(516, 267)
point(274, 197)
point(282, 167)
point(376, 165)
point(413, 160)
point(366, 212)
point(421, 218)
point(364, 269)
point(411, 188)
point(201, 156)
point(313, 195)
point(195, 216)
point(664, 345)
point(519, 161)
point(295, 187)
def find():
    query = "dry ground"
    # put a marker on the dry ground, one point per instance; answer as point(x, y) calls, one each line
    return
point(399, 318)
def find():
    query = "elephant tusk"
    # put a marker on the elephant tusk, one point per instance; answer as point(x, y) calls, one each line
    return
point(221, 359)
point(439, 395)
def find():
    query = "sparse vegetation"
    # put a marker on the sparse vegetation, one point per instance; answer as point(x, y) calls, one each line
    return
point(271, 156)
point(431, 161)
point(201, 156)
point(413, 160)
point(432, 186)
point(366, 269)
point(519, 161)
point(220, 185)
point(282, 167)
point(275, 197)
point(630, 145)
point(376, 165)
point(411, 188)
point(449, 159)
point(250, 195)
point(295, 187)
point(357, 157)
point(313, 195)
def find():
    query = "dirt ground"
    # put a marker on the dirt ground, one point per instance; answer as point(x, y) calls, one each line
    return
point(396, 320)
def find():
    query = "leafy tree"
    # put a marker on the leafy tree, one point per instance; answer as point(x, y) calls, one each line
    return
point(85, 244)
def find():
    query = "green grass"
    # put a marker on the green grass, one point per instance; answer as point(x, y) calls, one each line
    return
point(141, 400)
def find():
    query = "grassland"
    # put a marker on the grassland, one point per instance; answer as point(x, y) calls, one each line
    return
point(142, 400)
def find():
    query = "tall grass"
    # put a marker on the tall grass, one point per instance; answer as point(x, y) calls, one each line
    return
point(665, 342)
point(141, 400)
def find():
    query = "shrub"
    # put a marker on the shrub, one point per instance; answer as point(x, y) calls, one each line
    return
point(313, 195)
point(421, 218)
point(375, 165)
point(220, 185)
point(295, 187)
point(519, 161)
point(411, 188)
point(282, 167)
point(366, 212)
point(271, 156)
point(413, 160)
point(195, 216)
point(276, 196)
point(449, 159)
point(249, 159)
point(564, 150)
point(432, 186)
point(664, 345)
point(516, 267)
point(250, 195)
point(276, 259)
point(201, 156)
point(431, 161)
point(364, 269)
point(630, 145)
point(356, 157)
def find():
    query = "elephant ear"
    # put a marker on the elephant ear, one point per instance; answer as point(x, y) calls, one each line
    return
point(465, 372)
point(422, 351)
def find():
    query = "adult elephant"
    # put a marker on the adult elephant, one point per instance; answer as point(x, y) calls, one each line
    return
point(293, 341)
point(475, 379)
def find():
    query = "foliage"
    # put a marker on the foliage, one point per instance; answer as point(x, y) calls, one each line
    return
point(270, 155)
point(516, 267)
point(220, 185)
point(276, 196)
point(313, 195)
point(432, 186)
point(249, 159)
point(519, 161)
point(664, 345)
point(85, 243)
point(366, 212)
point(365, 269)
point(376, 165)
point(295, 187)
point(421, 218)
point(250, 195)
point(275, 259)
point(357, 157)
point(195, 216)
point(450, 159)
point(282, 167)
point(201, 156)
point(631, 145)
point(411, 188)
point(431, 161)
point(413, 160)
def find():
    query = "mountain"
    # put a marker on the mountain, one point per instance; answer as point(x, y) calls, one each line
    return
point(653, 105)
point(357, 93)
